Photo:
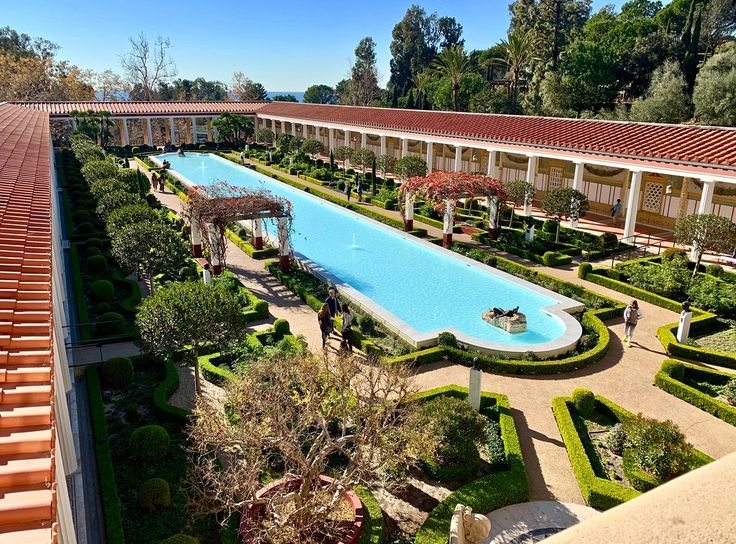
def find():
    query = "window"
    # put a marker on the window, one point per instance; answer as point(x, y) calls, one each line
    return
point(652, 197)
point(555, 178)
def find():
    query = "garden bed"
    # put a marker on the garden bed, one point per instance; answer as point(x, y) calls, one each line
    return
point(605, 478)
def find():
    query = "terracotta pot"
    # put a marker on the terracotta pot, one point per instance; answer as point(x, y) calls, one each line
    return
point(254, 512)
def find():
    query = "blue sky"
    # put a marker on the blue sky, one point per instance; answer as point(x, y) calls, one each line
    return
point(287, 45)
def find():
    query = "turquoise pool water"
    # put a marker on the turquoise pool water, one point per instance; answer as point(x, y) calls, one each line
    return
point(427, 288)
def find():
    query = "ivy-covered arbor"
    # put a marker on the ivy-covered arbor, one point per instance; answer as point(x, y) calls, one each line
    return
point(444, 189)
point(210, 208)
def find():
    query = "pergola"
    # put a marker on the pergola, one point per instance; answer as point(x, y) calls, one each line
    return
point(444, 189)
point(211, 208)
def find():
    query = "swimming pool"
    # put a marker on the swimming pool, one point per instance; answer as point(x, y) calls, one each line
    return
point(416, 288)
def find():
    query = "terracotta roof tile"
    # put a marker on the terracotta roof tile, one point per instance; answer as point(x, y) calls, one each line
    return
point(683, 143)
point(143, 109)
point(27, 460)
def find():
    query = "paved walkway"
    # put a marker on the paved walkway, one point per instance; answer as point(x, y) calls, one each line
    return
point(625, 376)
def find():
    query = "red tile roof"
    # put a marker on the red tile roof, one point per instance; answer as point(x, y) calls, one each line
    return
point(671, 143)
point(143, 109)
point(27, 459)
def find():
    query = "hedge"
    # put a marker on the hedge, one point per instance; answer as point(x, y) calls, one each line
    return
point(702, 320)
point(248, 249)
point(372, 517)
point(485, 494)
point(599, 493)
point(163, 392)
point(111, 508)
point(213, 373)
point(85, 329)
point(434, 222)
point(664, 379)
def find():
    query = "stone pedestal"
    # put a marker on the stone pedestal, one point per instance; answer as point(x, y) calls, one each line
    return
point(683, 328)
point(513, 324)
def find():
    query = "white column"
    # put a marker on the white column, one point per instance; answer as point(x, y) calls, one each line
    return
point(409, 210)
point(404, 147)
point(531, 174)
point(346, 138)
point(74, 124)
point(215, 245)
point(706, 197)
point(458, 158)
point(577, 180)
point(447, 223)
point(196, 235)
point(430, 156)
point(255, 123)
point(258, 233)
point(283, 127)
point(383, 145)
point(149, 131)
point(363, 139)
point(284, 243)
point(492, 156)
point(493, 205)
point(194, 130)
point(632, 205)
point(293, 128)
point(331, 138)
point(172, 131)
point(126, 137)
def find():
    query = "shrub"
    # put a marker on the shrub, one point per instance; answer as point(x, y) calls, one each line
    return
point(456, 430)
point(658, 447)
point(366, 324)
point(714, 270)
point(102, 291)
point(81, 216)
point(118, 373)
point(494, 446)
point(110, 323)
point(729, 391)
point(281, 327)
point(608, 240)
point(584, 401)
point(447, 339)
point(97, 264)
point(674, 368)
point(99, 169)
point(549, 226)
point(154, 494)
point(714, 295)
point(668, 279)
point(135, 150)
point(180, 538)
point(93, 242)
point(670, 252)
point(150, 442)
point(616, 439)
point(93, 251)
point(85, 228)
point(584, 269)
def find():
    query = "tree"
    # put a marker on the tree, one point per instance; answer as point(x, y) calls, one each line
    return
point(320, 94)
point(386, 163)
point(96, 125)
point(421, 82)
point(198, 89)
point(714, 97)
point(666, 100)
point(264, 136)
point(247, 90)
point(128, 215)
point(343, 154)
point(453, 63)
point(411, 166)
point(705, 232)
point(110, 86)
point(363, 157)
point(148, 64)
point(23, 45)
point(233, 128)
point(188, 315)
point(413, 46)
point(312, 147)
point(151, 247)
point(363, 86)
point(117, 198)
point(450, 32)
point(440, 92)
point(518, 192)
point(284, 98)
point(518, 51)
point(303, 411)
point(563, 203)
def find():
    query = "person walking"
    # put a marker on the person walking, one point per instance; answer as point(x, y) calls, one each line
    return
point(632, 315)
point(360, 191)
point(346, 331)
point(154, 181)
point(325, 323)
point(616, 212)
point(333, 305)
point(348, 189)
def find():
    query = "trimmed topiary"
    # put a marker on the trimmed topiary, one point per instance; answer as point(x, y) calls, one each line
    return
point(96, 264)
point(180, 538)
point(154, 494)
point(669, 253)
point(110, 323)
point(447, 339)
point(93, 242)
point(715, 270)
point(150, 442)
point(281, 327)
point(102, 291)
point(118, 373)
point(674, 368)
point(584, 401)
point(92, 251)
point(549, 226)
point(584, 269)
point(85, 228)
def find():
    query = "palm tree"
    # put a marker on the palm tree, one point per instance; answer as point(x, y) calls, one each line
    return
point(519, 50)
point(421, 81)
point(454, 64)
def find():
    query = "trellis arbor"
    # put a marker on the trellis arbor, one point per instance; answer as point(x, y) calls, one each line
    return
point(444, 189)
point(211, 208)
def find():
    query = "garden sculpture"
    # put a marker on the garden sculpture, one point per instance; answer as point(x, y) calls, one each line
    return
point(467, 527)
